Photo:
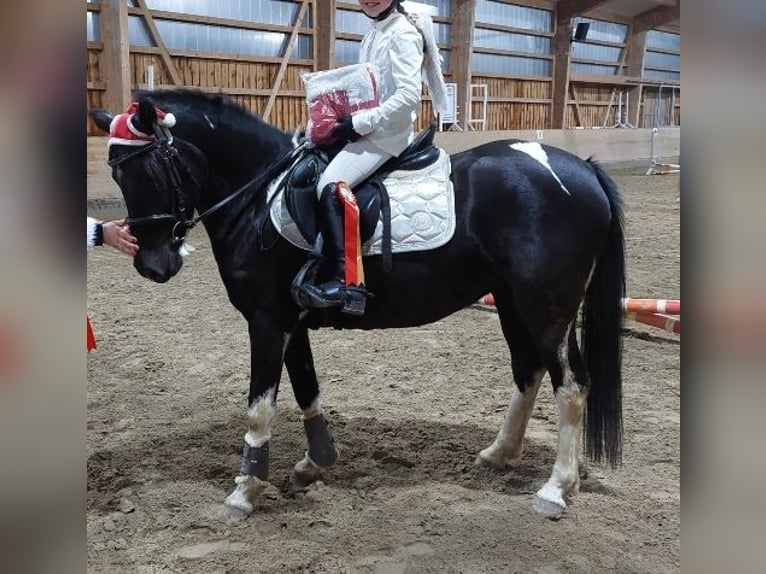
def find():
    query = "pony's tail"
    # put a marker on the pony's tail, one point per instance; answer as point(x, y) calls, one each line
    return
point(602, 336)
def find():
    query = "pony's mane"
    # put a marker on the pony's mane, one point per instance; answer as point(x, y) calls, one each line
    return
point(228, 130)
point(195, 110)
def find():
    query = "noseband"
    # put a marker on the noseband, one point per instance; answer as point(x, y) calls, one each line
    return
point(171, 161)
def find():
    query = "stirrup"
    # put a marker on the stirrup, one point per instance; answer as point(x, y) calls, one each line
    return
point(355, 300)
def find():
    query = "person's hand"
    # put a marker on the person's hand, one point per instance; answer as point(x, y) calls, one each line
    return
point(117, 234)
point(344, 130)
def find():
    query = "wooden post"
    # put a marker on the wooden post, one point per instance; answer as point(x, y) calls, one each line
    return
point(324, 34)
point(116, 55)
point(285, 59)
point(562, 47)
point(463, 19)
point(636, 50)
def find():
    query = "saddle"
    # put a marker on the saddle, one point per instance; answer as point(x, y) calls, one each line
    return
point(299, 186)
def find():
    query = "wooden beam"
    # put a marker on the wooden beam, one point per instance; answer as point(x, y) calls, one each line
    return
point(604, 80)
point(562, 54)
point(636, 54)
point(568, 9)
point(656, 17)
point(220, 56)
point(157, 39)
point(115, 54)
point(285, 59)
point(463, 20)
point(324, 24)
point(513, 29)
point(499, 52)
point(216, 21)
point(256, 92)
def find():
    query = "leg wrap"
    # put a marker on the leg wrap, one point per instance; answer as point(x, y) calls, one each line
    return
point(255, 461)
point(321, 444)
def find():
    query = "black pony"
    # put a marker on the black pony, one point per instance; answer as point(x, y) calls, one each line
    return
point(538, 227)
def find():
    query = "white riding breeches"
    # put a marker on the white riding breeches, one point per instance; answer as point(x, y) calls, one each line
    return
point(354, 163)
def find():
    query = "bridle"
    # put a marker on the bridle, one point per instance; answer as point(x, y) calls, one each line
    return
point(171, 161)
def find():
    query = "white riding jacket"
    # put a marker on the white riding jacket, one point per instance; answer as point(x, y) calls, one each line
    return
point(396, 46)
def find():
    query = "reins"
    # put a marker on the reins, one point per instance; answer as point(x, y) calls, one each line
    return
point(169, 155)
point(267, 176)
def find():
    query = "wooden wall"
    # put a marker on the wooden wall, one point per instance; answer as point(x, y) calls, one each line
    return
point(513, 102)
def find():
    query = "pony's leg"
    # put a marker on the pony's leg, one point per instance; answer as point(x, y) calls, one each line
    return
point(267, 345)
point(321, 452)
point(528, 372)
point(570, 386)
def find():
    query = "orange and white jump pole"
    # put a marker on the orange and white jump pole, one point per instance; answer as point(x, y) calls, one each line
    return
point(643, 306)
point(664, 322)
point(661, 313)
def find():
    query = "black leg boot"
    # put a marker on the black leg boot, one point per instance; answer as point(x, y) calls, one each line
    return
point(331, 293)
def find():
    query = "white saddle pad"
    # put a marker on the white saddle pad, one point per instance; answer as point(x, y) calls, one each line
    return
point(422, 210)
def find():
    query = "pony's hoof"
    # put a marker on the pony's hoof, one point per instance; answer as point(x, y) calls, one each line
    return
point(552, 509)
point(306, 472)
point(493, 459)
point(232, 513)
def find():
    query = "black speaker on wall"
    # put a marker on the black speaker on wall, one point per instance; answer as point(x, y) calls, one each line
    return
point(581, 31)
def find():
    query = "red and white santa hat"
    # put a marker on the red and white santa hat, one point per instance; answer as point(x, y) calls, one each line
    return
point(123, 132)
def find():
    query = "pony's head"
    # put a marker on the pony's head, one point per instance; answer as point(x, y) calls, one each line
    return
point(160, 177)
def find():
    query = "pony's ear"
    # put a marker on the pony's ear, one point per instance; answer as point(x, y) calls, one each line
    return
point(103, 119)
point(146, 117)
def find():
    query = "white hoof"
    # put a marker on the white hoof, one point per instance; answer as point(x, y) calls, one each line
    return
point(549, 502)
point(305, 472)
point(232, 513)
point(483, 462)
point(495, 457)
point(249, 488)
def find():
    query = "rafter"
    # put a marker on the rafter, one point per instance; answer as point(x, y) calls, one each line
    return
point(157, 39)
point(285, 59)
point(568, 9)
point(656, 17)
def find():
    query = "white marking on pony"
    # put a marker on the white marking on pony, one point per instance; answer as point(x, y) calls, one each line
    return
point(314, 409)
point(249, 488)
point(565, 479)
point(259, 419)
point(536, 151)
point(508, 444)
point(210, 123)
point(186, 249)
point(296, 137)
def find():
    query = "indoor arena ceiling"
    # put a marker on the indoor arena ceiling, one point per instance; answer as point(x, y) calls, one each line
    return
point(665, 12)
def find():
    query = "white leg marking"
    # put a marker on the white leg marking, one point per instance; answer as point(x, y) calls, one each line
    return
point(508, 444)
point(259, 419)
point(314, 409)
point(248, 489)
point(565, 478)
point(536, 151)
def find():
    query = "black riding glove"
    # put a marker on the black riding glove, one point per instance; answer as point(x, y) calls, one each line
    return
point(344, 130)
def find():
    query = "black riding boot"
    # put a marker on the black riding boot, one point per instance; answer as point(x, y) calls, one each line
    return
point(331, 293)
